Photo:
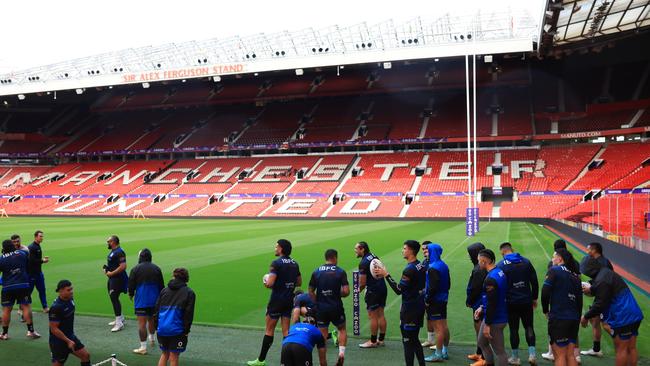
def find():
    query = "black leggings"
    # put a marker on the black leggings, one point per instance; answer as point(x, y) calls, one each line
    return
point(525, 313)
point(114, 291)
point(294, 354)
point(412, 347)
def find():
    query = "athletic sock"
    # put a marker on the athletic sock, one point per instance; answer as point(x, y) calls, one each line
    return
point(596, 346)
point(30, 327)
point(266, 344)
point(143, 345)
point(152, 337)
point(373, 338)
point(5, 330)
point(341, 351)
point(444, 350)
point(431, 337)
point(532, 351)
point(382, 336)
point(329, 335)
point(479, 351)
point(515, 353)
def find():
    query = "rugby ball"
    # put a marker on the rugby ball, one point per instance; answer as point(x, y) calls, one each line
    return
point(265, 279)
point(375, 264)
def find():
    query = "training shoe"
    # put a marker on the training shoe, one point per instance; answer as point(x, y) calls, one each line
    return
point(113, 322)
point(548, 356)
point(369, 344)
point(256, 363)
point(427, 344)
point(591, 352)
point(578, 360)
point(4, 337)
point(474, 357)
point(152, 341)
point(480, 362)
point(340, 360)
point(445, 356)
point(335, 337)
point(117, 327)
point(532, 360)
point(140, 351)
point(512, 360)
point(33, 335)
point(434, 358)
point(433, 348)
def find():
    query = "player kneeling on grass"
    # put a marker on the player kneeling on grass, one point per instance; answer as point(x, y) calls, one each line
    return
point(328, 284)
point(411, 287)
point(621, 313)
point(561, 291)
point(436, 295)
point(298, 345)
point(173, 317)
point(15, 288)
point(303, 304)
point(145, 284)
point(63, 341)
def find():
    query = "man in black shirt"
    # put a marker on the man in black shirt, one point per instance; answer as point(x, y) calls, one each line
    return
point(282, 279)
point(63, 341)
point(595, 250)
point(36, 260)
point(327, 286)
point(376, 293)
point(411, 287)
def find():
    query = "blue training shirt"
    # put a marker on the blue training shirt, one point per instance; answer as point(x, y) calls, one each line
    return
point(305, 335)
point(438, 280)
point(62, 312)
point(566, 293)
point(287, 272)
point(373, 285)
point(326, 281)
point(495, 289)
point(14, 270)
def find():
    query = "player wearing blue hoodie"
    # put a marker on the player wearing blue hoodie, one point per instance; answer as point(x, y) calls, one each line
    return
point(145, 284)
point(619, 309)
point(523, 290)
point(436, 295)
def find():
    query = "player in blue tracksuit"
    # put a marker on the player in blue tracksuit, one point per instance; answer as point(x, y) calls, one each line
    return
point(173, 316)
point(298, 345)
point(328, 284)
point(523, 290)
point(411, 287)
point(375, 298)
point(619, 309)
point(115, 270)
point(284, 277)
point(436, 295)
point(474, 290)
point(145, 284)
point(15, 288)
point(494, 309)
point(561, 290)
point(63, 340)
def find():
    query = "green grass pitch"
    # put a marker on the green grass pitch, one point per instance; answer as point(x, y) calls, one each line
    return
point(227, 259)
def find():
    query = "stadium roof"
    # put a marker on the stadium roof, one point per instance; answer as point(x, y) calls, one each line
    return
point(481, 32)
point(580, 20)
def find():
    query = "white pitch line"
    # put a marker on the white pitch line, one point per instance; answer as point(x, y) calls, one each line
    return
point(538, 242)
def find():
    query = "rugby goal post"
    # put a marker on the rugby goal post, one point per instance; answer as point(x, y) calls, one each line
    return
point(3, 213)
point(137, 214)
